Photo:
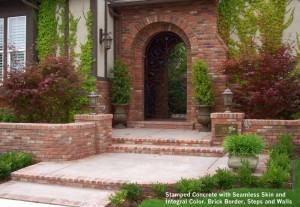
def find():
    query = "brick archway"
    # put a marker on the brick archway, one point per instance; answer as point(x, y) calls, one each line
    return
point(138, 61)
point(195, 22)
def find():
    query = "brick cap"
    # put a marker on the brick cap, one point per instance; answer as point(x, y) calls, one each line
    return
point(89, 117)
point(39, 126)
point(227, 115)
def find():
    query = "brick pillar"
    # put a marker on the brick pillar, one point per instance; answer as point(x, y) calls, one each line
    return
point(103, 133)
point(224, 123)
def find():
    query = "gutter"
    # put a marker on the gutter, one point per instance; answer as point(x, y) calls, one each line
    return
point(30, 4)
point(118, 3)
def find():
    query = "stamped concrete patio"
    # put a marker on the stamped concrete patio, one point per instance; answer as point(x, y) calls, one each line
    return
point(65, 183)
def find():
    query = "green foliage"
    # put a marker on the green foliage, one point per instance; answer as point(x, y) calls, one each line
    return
point(12, 161)
point(86, 60)
point(120, 83)
point(160, 189)
point(280, 159)
point(203, 89)
point(298, 44)
point(225, 178)
point(5, 169)
point(61, 26)
point(209, 183)
point(188, 185)
point(253, 21)
point(134, 192)
point(72, 38)
point(177, 64)
point(244, 144)
point(7, 115)
point(275, 176)
point(47, 29)
point(245, 176)
point(118, 198)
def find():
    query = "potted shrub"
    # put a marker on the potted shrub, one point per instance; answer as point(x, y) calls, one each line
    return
point(203, 92)
point(243, 147)
point(120, 93)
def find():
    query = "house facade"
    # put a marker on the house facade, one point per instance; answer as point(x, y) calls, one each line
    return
point(143, 32)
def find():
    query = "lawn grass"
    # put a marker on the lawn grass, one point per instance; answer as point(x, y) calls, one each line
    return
point(287, 197)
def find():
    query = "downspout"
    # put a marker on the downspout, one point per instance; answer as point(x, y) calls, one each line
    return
point(30, 4)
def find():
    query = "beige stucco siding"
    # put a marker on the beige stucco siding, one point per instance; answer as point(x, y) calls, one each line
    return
point(291, 31)
point(79, 8)
point(101, 49)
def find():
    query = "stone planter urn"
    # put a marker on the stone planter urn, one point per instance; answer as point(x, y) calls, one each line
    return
point(120, 116)
point(235, 161)
point(203, 116)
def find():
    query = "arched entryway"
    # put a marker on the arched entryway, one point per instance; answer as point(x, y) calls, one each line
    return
point(165, 79)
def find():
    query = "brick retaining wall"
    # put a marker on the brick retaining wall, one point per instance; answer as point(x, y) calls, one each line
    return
point(58, 142)
point(269, 129)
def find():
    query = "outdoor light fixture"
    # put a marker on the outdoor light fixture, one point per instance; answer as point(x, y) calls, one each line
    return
point(93, 100)
point(228, 96)
point(105, 38)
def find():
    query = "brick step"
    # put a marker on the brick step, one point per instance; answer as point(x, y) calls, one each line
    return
point(206, 142)
point(167, 150)
point(162, 124)
point(54, 194)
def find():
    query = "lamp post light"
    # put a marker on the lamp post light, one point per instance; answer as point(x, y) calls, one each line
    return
point(105, 38)
point(228, 96)
point(93, 101)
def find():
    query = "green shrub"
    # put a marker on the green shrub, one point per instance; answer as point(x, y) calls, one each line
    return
point(244, 144)
point(285, 144)
point(275, 176)
point(281, 160)
point(245, 176)
point(160, 189)
point(120, 83)
point(225, 178)
point(17, 160)
point(6, 115)
point(118, 198)
point(208, 183)
point(188, 185)
point(5, 169)
point(134, 192)
point(203, 88)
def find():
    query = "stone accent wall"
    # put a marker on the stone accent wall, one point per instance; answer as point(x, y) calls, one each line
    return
point(269, 129)
point(58, 142)
point(196, 24)
point(104, 103)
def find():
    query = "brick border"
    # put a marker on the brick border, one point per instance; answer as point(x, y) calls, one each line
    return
point(269, 129)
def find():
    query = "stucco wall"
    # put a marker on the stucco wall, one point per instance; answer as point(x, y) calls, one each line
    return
point(79, 8)
point(101, 49)
point(291, 31)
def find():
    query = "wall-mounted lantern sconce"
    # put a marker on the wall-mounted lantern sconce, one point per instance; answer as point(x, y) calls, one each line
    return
point(228, 96)
point(105, 38)
point(93, 101)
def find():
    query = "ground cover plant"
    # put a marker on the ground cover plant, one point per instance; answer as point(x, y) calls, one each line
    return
point(12, 161)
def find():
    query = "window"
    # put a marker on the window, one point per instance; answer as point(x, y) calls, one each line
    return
point(16, 42)
point(12, 43)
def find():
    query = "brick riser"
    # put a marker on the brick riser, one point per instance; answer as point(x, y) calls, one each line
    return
point(161, 124)
point(163, 142)
point(79, 182)
point(167, 150)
